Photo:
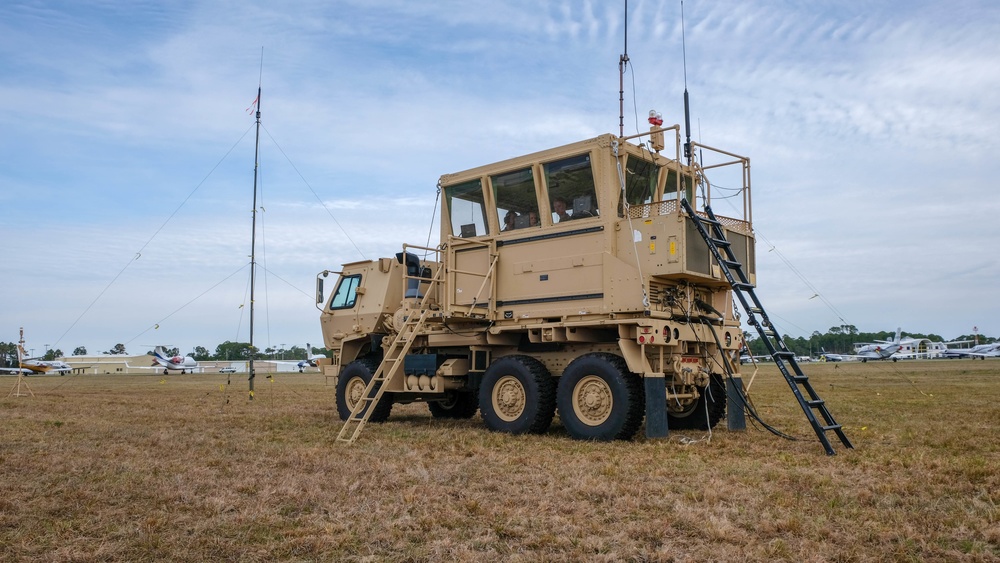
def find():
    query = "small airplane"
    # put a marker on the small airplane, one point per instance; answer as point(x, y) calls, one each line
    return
point(979, 351)
point(879, 351)
point(309, 362)
point(37, 365)
point(167, 362)
point(828, 357)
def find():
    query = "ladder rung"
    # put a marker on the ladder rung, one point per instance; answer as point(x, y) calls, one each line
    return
point(740, 286)
point(732, 264)
point(799, 378)
point(720, 242)
point(831, 427)
point(756, 310)
point(709, 221)
point(784, 354)
point(816, 403)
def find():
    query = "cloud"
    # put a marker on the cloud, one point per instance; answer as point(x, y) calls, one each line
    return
point(869, 127)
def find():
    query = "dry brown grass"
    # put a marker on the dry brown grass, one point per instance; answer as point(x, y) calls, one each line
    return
point(137, 468)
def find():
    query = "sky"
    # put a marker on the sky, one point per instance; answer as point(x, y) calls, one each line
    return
point(127, 151)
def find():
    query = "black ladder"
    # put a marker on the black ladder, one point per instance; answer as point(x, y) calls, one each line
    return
point(715, 235)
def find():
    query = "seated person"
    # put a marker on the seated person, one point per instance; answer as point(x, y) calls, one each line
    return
point(559, 208)
point(508, 221)
point(533, 218)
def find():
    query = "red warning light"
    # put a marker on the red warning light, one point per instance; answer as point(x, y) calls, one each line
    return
point(655, 118)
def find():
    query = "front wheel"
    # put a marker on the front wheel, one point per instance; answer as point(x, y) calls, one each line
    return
point(517, 396)
point(351, 387)
point(600, 399)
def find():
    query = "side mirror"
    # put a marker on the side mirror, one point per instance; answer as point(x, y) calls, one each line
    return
point(319, 290)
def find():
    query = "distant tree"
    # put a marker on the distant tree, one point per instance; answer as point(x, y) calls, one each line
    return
point(118, 350)
point(201, 353)
point(8, 354)
point(51, 354)
point(173, 351)
point(80, 351)
point(232, 351)
point(296, 353)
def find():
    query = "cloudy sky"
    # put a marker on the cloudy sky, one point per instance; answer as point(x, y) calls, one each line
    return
point(126, 151)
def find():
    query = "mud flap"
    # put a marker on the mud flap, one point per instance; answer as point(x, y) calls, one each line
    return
point(656, 407)
point(735, 411)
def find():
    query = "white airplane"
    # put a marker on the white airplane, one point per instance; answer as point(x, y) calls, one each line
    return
point(828, 357)
point(309, 362)
point(167, 362)
point(980, 351)
point(37, 365)
point(878, 351)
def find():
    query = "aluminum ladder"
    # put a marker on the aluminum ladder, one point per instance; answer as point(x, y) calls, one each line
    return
point(391, 363)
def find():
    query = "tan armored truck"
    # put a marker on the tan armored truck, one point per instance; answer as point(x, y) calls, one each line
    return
point(569, 280)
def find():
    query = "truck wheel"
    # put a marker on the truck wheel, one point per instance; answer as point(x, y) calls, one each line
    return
point(693, 416)
point(600, 399)
point(517, 396)
point(351, 388)
point(456, 405)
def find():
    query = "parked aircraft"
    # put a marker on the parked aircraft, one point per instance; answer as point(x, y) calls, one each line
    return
point(980, 351)
point(167, 362)
point(309, 362)
point(828, 357)
point(879, 351)
point(37, 365)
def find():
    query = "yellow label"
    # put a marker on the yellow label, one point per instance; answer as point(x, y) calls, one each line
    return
point(652, 247)
point(673, 247)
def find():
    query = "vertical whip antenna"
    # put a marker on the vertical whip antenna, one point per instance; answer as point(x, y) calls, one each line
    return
point(622, 63)
point(253, 231)
point(687, 107)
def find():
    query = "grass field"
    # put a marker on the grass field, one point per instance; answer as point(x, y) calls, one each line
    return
point(139, 468)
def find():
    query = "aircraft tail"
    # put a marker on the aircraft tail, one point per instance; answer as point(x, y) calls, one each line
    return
point(899, 332)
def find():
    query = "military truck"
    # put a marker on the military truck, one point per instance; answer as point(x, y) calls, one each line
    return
point(569, 280)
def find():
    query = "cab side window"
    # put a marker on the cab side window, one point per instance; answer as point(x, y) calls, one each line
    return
point(467, 209)
point(517, 206)
point(570, 184)
point(640, 183)
point(346, 293)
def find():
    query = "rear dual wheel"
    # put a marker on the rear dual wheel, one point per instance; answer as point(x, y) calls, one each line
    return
point(600, 399)
point(702, 414)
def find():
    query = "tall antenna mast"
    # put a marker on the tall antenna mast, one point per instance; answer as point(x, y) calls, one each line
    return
point(622, 63)
point(253, 232)
point(687, 107)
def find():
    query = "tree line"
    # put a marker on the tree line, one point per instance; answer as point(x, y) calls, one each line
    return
point(841, 339)
point(227, 351)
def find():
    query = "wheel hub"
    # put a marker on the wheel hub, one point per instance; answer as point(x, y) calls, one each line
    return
point(509, 398)
point(592, 400)
point(355, 390)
